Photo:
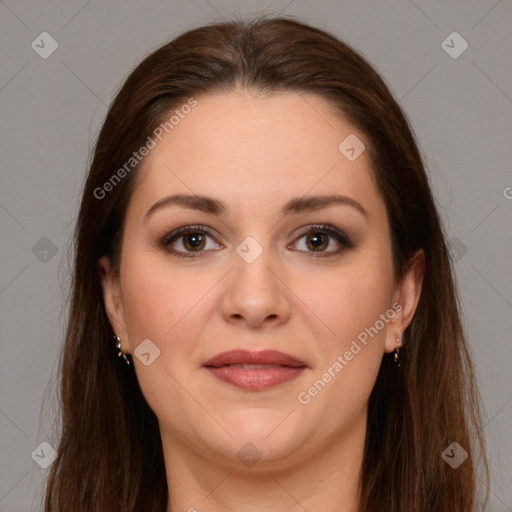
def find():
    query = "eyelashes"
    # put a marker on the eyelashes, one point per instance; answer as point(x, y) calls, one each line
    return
point(318, 233)
point(193, 240)
point(183, 232)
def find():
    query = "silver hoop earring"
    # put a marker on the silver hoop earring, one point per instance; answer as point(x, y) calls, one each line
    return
point(117, 341)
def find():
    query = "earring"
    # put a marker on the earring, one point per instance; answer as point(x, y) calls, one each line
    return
point(118, 346)
point(397, 352)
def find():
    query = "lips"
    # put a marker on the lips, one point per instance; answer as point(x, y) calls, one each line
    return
point(255, 371)
point(247, 357)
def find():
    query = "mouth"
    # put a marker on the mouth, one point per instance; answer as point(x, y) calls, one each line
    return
point(255, 371)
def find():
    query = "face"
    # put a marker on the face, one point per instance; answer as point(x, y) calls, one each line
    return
point(258, 265)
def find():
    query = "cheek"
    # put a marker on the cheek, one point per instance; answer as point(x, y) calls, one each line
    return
point(172, 308)
point(162, 305)
point(353, 305)
point(343, 379)
point(346, 301)
point(158, 300)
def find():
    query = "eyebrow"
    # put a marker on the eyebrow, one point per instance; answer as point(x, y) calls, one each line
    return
point(216, 207)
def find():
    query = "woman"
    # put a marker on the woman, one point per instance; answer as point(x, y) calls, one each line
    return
point(264, 314)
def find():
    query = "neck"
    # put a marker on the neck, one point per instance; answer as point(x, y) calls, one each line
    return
point(325, 481)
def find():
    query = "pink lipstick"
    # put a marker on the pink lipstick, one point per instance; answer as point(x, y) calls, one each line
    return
point(255, 371)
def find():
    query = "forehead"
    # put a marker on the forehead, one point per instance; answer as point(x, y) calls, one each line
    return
point(239, 146)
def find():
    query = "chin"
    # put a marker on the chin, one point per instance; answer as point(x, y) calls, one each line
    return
point(274, 442)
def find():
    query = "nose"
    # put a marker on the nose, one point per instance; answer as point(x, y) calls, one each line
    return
point(255, 293)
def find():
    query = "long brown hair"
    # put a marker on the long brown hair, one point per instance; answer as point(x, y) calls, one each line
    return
point(109, 457)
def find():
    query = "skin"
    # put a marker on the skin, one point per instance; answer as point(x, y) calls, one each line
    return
point(256, 153)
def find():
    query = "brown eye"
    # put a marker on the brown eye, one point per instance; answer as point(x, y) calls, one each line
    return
point(319, 239)
point(193, 241)
point(187, 241)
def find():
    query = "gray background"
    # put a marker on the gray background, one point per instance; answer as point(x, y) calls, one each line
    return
point(51, 111)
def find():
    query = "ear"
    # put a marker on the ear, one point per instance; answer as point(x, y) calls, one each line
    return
point(406, 298)
point(112, 298)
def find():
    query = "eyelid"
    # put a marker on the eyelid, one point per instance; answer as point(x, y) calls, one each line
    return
point(179, 233)
point(339, 235)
